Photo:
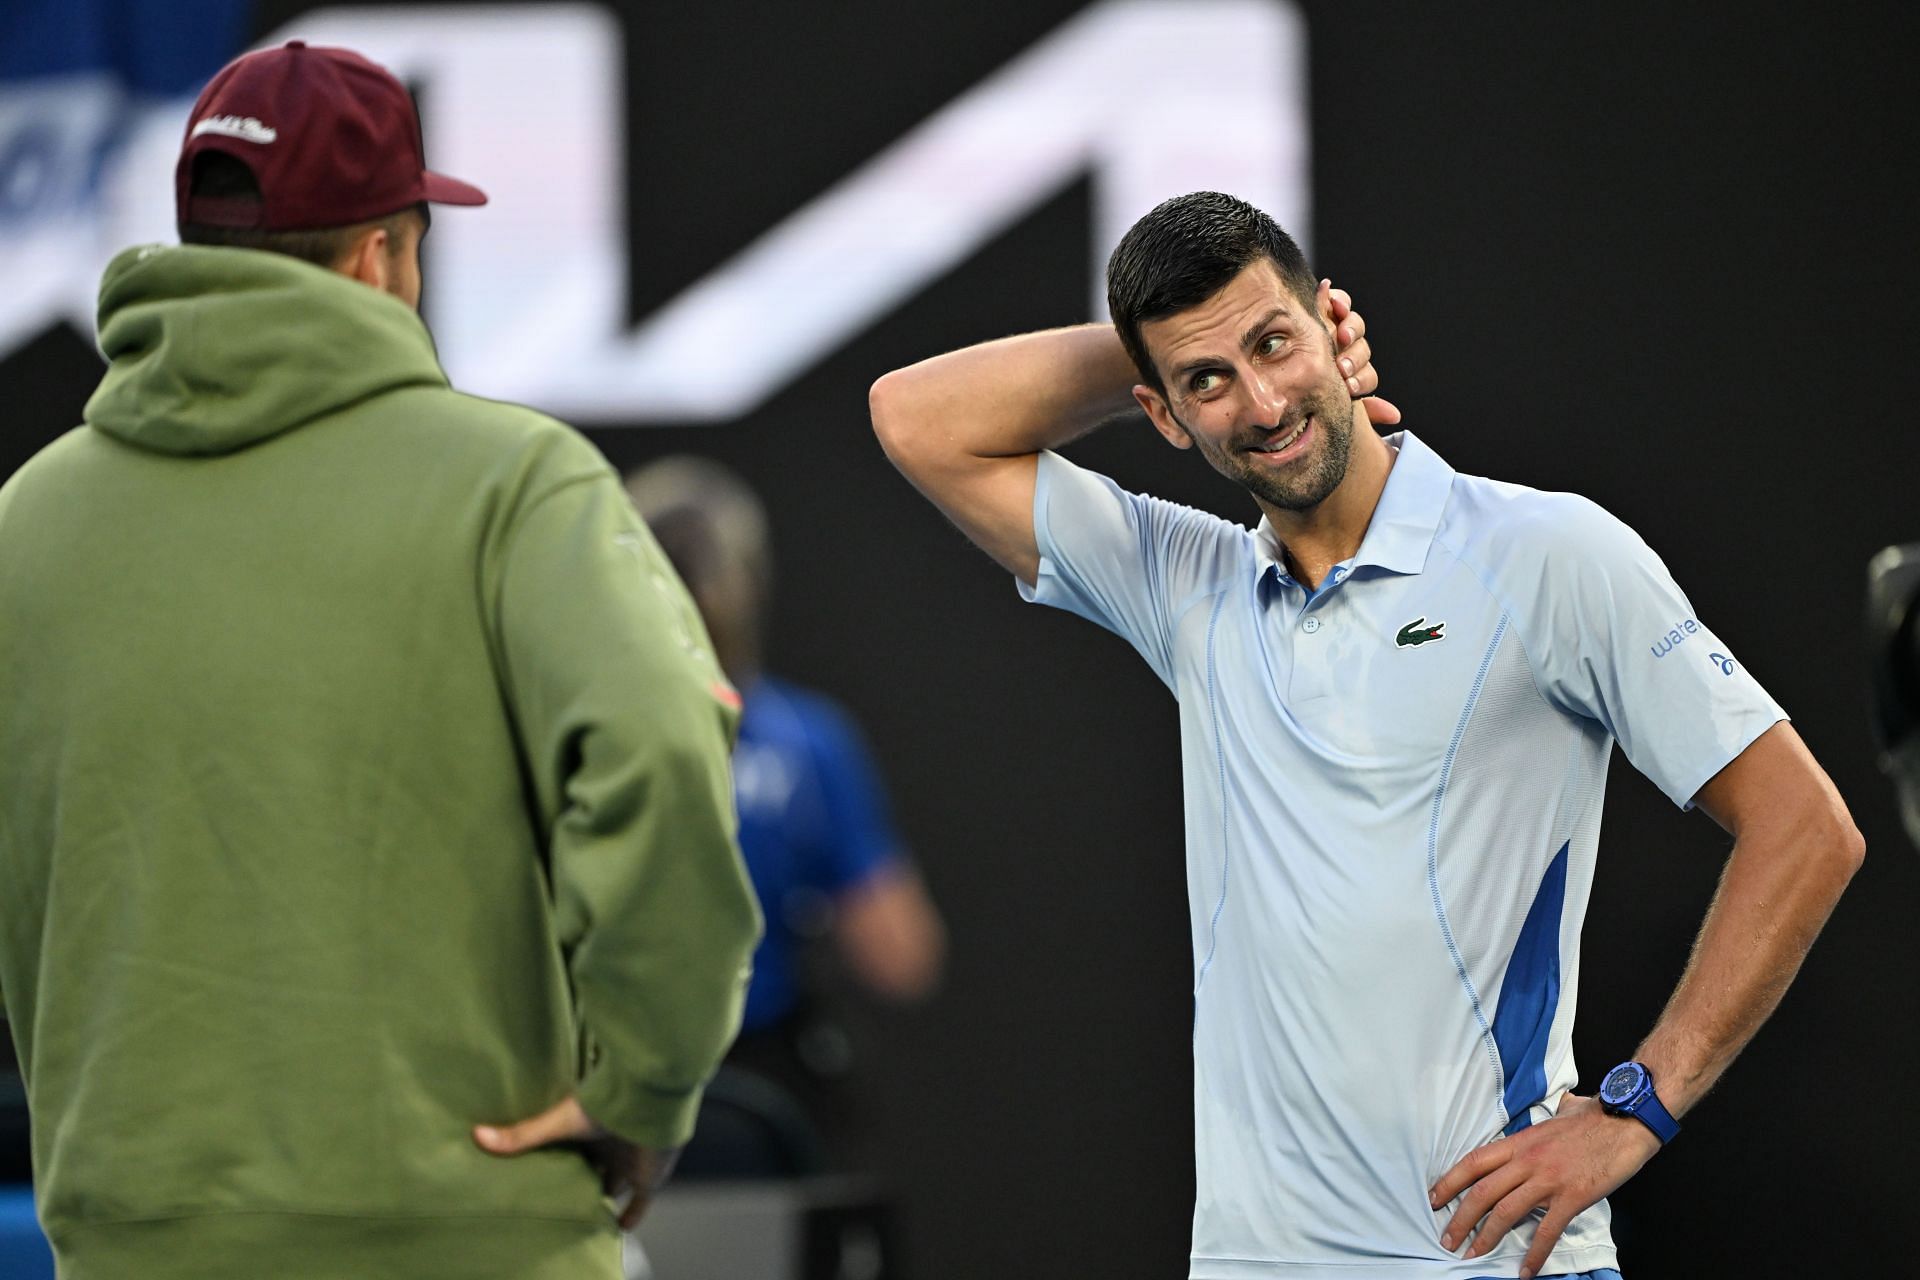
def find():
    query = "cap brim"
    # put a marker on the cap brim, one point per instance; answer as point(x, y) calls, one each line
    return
point(440, 189)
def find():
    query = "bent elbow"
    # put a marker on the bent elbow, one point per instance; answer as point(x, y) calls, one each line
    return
point(1853, 848)
point(890, 403)
point(883, 406)
point(1844, 849)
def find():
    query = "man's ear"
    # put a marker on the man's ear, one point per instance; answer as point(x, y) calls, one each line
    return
point(1323, 305)
point(370, 260)
point(1161, 416)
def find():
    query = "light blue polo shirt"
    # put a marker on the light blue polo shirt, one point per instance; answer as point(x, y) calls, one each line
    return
point(1393, 790)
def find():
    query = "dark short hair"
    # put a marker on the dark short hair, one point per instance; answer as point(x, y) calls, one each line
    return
point(1184, 252)
point(707, 519)
point(228, 178)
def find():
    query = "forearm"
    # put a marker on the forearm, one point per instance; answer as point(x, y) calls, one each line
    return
point(1794, 850)
point(891, 935)
point(1005, 398)
point(1779, 887)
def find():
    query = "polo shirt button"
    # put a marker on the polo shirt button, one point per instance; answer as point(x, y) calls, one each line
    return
point(1310, 626)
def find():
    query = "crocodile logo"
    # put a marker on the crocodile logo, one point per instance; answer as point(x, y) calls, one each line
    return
point(1418, 632)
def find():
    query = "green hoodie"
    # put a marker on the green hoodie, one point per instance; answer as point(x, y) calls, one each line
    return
point(363, 777)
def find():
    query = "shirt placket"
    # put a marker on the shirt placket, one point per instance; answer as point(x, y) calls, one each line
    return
point(1315, 629)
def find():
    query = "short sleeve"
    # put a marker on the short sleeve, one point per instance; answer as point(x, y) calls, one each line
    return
point(857, 836)
point(1124, 560)
point(1612, 637)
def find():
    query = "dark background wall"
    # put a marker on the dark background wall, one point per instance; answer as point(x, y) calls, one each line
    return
point(1651, 257)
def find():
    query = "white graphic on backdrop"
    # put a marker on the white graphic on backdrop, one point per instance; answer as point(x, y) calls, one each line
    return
point(56, 230)
point(1149, 97)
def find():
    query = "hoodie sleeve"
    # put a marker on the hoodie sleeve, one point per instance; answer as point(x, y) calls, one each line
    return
point(627, 725)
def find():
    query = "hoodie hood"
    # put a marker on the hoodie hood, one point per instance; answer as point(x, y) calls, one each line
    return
point(210, 350)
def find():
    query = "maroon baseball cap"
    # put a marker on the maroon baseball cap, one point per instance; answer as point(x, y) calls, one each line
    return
point(331, 138)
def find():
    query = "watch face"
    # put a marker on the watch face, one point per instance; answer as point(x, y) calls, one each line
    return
point(1621, 1083)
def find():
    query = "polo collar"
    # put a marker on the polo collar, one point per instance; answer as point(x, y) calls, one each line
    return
point(1404, 521)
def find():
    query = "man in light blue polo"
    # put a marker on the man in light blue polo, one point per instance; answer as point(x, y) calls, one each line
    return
point(1398, 698)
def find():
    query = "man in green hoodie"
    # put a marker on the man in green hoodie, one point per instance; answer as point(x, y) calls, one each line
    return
point(364, 805)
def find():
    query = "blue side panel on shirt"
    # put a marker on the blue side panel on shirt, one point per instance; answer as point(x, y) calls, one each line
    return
point(1530, 996)
point(164, 50)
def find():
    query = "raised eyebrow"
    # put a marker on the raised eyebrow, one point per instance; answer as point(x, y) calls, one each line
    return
point(1185, 371)
point(1182, 372)
point(1253, 335)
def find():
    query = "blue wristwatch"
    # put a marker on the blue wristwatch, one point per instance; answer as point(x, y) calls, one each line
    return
point(1628, 1091)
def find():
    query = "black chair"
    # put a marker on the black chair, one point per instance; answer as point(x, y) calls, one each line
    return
point(16, 1162)
point(751, 1128)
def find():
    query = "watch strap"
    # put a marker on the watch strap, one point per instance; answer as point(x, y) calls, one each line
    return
point(1653, 1113)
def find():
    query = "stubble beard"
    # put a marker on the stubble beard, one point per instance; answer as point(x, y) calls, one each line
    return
point(1308, 482)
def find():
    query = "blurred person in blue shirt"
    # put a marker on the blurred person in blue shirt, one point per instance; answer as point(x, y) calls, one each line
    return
point(819, 844)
